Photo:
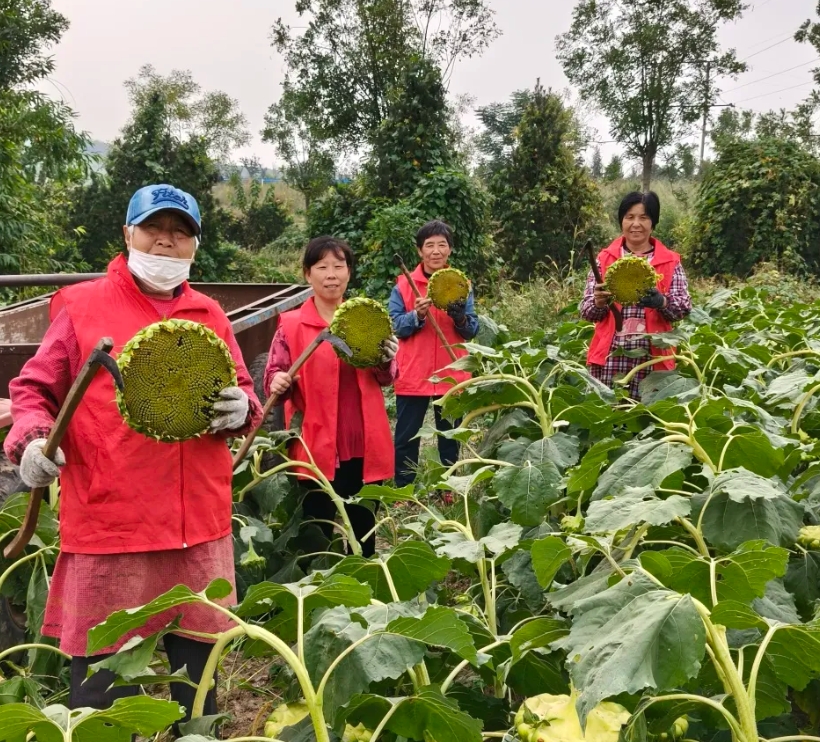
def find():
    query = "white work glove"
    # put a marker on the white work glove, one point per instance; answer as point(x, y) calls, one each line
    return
point(35, 469)
point(390, 347)
point(233, 409)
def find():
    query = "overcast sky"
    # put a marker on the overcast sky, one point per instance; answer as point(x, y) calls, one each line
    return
point(225, 44)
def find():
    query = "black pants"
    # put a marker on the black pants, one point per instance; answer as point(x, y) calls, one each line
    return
point(181, 651)
point(410, 412)
point(347, 482)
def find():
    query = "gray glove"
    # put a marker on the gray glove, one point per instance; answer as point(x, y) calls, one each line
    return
point(234, 410)
point(390, 347)
point(35, 469)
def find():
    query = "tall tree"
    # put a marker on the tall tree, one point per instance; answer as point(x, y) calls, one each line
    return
point(309, 164)
point(614, 169)
point(597, 166)
point(341, 68)
point(149, 151)
point(415, 137)
point(188, 111)
point(544, 201)
point(41, 152)
point(651, 67)
point(499, 122)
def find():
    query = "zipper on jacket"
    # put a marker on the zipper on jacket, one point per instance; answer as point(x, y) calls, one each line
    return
point(182, 498)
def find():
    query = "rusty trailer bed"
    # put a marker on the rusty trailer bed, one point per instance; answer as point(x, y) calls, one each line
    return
point(253, 309)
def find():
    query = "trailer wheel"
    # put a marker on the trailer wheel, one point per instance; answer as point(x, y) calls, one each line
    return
point(12, 617)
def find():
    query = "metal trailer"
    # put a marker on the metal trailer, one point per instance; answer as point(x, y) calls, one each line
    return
point(253, 309)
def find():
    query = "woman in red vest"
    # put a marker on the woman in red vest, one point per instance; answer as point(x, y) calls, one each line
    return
point(137, 517)
point(669, 302)
point(421, 352)
point(345, 426)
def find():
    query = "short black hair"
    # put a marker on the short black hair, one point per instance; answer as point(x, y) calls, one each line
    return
point(650, 201)
point(435, 228)
point(318, 247)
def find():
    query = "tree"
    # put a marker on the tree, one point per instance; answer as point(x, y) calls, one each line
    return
point(351, 55)
point(759, 201)
point(415, 136)
point(544, 201)
point(649, 66)
point(681, 163)
point(732, 124)
point(796, 125)
point(41, 152)
point(150, 151)
point(309, 165)
point(614, 169)
point(213, 116)
point(499, 122)
point(262, 216)
point(597, 166)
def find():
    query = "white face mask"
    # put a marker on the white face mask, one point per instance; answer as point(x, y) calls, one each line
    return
point(158, 272)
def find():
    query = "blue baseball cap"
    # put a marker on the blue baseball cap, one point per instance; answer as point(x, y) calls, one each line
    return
point(153, 198)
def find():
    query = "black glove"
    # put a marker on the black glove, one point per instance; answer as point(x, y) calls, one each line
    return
point(652, 299)
point(457, 312)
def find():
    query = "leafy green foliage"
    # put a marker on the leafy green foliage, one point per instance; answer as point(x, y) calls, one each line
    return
point(663, 44)
point(41, 152)
point(150, 151)
point(262, 217)
point(755, 205)
point(544, 201)
point(414, 138)
point(342, 67)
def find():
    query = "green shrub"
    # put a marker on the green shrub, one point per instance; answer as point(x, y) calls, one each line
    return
point(760, 201)
point(459, 200)
point(391, 230)
point(261, 217)
point(343, 211)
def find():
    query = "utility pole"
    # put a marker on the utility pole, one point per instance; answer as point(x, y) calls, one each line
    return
point(705, 112)
point(706, 106)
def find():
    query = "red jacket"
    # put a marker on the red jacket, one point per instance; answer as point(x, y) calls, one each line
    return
point(422, 355)
point(317, 396)
point(120, 490)
point(664, 262)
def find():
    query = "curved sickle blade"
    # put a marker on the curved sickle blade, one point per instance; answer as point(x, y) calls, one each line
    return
point(338, 343)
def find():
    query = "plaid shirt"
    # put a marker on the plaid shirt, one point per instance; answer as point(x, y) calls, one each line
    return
point(678, 305)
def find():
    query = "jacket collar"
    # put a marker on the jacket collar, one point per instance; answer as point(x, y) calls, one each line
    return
point(662, 253)
point(418, 274)
point(119, 273)
point(309, 314)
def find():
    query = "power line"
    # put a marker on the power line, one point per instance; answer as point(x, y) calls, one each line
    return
point(776, 74)
point(783, 90)
point(790, 37)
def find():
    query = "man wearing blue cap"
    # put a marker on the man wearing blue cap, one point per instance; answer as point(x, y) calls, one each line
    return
point(137, 517)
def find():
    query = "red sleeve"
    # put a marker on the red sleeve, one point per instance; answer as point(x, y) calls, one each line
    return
point(42, 386)
point(278, 360)
point(386, 374)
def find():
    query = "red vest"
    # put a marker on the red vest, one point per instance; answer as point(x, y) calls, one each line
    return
point(422, 354)
point(664, 262)
point(316, 395)
point(121, 491)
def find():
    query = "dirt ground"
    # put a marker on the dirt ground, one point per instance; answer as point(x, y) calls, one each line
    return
point(244, 693)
